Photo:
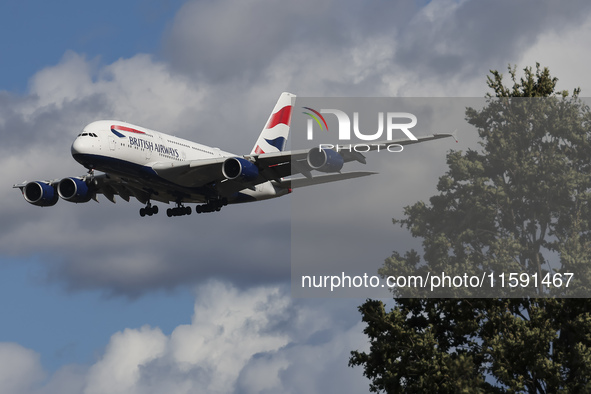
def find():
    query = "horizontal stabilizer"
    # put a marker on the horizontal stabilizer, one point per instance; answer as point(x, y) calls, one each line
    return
point(302, 182)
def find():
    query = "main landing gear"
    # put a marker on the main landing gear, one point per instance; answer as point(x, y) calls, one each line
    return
point(180, 210)
point(212, 206)
point(149, 210)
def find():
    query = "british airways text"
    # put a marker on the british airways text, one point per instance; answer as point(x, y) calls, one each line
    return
point(141, 143)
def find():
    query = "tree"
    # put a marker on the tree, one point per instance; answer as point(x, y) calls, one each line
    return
point(519, 204)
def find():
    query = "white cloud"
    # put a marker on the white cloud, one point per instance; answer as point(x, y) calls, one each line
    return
point(228, 328)
point(69, 80)
point(20, 369)
point(119, 369)
point(239, 341)
point(565, 53)
point(251, 35)
point(137, 89)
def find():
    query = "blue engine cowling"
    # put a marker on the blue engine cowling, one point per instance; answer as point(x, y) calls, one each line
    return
point(40, 193)
point(74, 190)
point(238, 167)
point(325, 160)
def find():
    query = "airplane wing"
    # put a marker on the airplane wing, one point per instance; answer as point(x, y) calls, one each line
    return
point(193, 173)
point(303, 182)
point(270, 166)
point(294, 162)
point(105, 184)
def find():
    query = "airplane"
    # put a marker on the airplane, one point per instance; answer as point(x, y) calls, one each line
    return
point(151, 166)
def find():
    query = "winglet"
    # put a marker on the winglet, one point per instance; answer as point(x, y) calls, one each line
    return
point(453, 134)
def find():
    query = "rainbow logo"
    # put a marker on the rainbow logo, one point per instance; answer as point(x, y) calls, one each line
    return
point(115, 129)
point(315, 116)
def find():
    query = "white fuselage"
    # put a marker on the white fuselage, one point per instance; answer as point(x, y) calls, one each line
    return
point(138, 145)
point(125, 150)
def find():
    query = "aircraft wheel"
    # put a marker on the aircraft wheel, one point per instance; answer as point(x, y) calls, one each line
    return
point(169, 212)
point(187, 210)
point(198, 209)
point(142, 212)
point(155, 209)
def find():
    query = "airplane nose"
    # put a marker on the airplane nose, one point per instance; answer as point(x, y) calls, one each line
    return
point(82, 146)
point(81, 150)
point(77, 147)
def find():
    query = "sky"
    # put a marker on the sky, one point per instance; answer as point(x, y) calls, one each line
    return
point(96, 299)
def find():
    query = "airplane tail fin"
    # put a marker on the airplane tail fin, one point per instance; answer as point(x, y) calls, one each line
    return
point(274, 135)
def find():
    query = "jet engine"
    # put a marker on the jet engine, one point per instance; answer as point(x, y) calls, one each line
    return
point(74, 190)
point(325, 160)
point(235, 167)
point(40, 193)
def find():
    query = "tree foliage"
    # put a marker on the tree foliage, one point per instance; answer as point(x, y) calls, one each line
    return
point(518, 204)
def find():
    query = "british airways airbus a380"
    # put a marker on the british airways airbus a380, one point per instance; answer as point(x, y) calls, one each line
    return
point(152, 166)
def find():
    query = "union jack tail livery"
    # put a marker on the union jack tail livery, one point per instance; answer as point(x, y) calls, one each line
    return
point(276, 131)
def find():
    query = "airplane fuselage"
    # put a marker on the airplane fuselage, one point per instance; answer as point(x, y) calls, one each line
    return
point(130, 151)
point(123, 149)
